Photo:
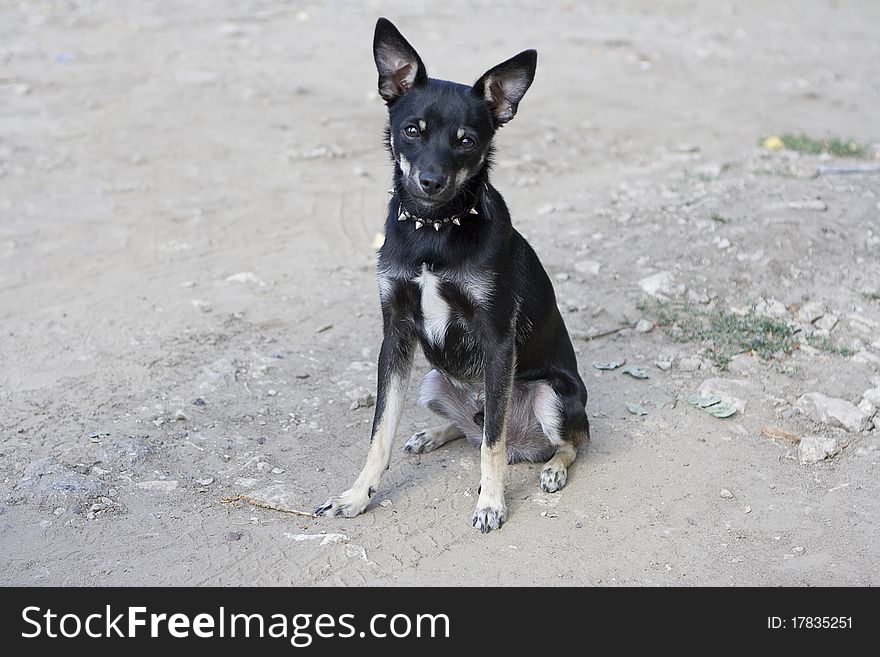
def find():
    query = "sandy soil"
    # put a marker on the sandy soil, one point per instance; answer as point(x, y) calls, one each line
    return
point(189, 200)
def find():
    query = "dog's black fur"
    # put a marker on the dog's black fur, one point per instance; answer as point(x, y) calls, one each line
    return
point(471, 292)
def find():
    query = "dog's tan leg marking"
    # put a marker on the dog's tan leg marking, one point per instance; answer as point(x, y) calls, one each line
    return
point(430, 439)
point(491, 510)
point(554, 474)
point(354, 500)
point(548, 410)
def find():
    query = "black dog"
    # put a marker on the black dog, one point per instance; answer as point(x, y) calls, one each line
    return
point(457, 278)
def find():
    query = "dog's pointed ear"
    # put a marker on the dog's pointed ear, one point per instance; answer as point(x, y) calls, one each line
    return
point(503, 86)
point(399, 65)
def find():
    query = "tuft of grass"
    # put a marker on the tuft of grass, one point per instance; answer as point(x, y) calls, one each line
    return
point(803, 143)
point(871, 296)
point(723, 333)
point(720, 218)
point(824, 343)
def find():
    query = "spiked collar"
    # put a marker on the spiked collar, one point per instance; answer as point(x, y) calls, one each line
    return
point(405, 215)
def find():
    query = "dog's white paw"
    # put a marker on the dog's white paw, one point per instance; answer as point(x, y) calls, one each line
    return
point(553, 477)
point(348, 504)
point(489, 515)
point(420, 442)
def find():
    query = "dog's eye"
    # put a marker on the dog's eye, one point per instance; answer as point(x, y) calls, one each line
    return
point(467, 143)
point(411, 131)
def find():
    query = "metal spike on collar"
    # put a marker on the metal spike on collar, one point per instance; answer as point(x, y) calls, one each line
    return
point(473, 211)
point(437, 226)
point(418, 224)
point(391, 191)
point(456, 221)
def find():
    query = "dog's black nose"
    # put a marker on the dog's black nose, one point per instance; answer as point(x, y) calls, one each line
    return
point(432, 183)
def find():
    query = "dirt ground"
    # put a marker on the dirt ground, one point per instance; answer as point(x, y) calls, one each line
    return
point(189, 202)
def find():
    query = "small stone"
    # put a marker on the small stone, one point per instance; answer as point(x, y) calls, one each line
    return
point(271, 392)
point(644, 326)
point(663, 364)
point(723, 244)
point(578, 525)
point(233, 536)
point(827, 322)
point(562, 276)
point(662, 285)
point(59, 511)
point(591, 267)
point(198, 401)
point(385, 503)
point(771, 308)
point(364, 401)
point(747, 509)
point(180, 415)
point(729, 390)
point(867, 408)
point(833, 412)
point(811, 311)
point(691, 364)
point(872, 396)
point(725, 494)
point(277, 471)
point(813, 449)
point(125, 451)
point(207, 481)
point(244, 277)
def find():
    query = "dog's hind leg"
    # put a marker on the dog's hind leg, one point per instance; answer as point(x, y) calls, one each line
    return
point(430, 439)
point(455, 403)
point(561, 412)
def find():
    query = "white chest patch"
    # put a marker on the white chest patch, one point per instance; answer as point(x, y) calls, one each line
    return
point(435, 311)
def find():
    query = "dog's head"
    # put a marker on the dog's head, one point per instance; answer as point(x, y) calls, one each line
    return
point(440, 133)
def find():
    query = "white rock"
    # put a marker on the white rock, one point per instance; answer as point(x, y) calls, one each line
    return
point(663, 364)
point(723, 244)
point(827, 322)
point(771, 308)
point(813, 449)
point(661, 284)
point(872, 396)
point(730, 390)
point(725, 494)
point(588, 267)
point(689, 364)
point(867, 408)
point(833, 412)
point(644, 326)
point(244, 277)
point(811, 311)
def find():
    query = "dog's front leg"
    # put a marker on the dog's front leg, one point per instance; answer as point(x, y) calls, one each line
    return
point(491, 511)
point(395, 363)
